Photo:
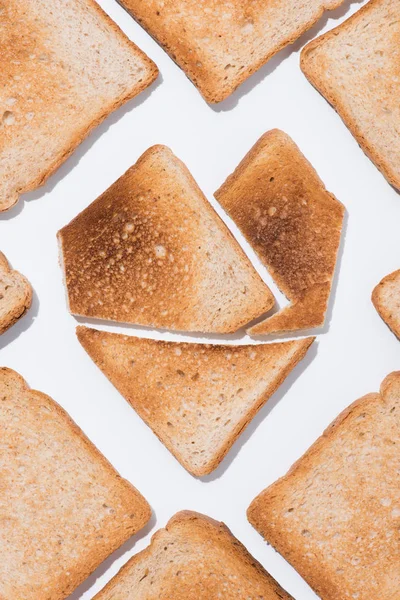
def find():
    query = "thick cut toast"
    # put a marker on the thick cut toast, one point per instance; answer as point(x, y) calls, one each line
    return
point(293, 223)
point(64, 66)
point(386, 299)
point(63, 507)
point(15, 295)
point(356, 67)
point(336, 515)
point(152, 251)
point(193, 558)
point(220, 44)
point(197, 398)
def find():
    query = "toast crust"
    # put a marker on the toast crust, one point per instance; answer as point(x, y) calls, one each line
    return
point(386, 299)
point(332, 515)
point(197, 398)
point(33, 116)
point(385, 111)
point(293, 223)
point(66, 510)
point(152, 251)
point(15, 295)
point(250, 33)
point(193, 558)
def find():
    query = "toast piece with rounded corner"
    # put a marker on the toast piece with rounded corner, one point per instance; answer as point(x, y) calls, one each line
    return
point(64, 66)
point(193, 558)
point(152, 251)
point(356, 67)
point(197, 398)
point(64, 508)
point(15, 295)
point(220, 44)
point(335, 516)
point(293, 223)
point(386, 299)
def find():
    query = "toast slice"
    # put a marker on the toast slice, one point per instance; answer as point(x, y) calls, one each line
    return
point(63, 507)
point(356, 68)
point(193, 558)
point(386, 299)
point(64, 66)
point(15, 295)
point(197, 398)
point(152, 251)
point(220, 44)
point(336, 515)
point(293, 223)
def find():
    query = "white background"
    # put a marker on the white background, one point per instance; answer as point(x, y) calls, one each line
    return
point(354, 352)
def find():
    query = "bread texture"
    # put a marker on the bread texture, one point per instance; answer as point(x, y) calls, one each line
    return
point(152, 251)
point(63, 507)
point(336, 515)
point(386, 299)
point(293, 223)
point(356, 67)
point(193, 558)
point(197, 398)
point(64, 66)
point(220, 44)
point(15, 295)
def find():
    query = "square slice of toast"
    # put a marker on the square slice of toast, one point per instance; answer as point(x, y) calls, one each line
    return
point(193, 558)
point(220, 44)
point(293, 223)
point(386, 299)
point(63, 507)
point(152, 251)
point(336, 515)
point(64, 66)
point(197, 398)
point(15, 295)
point(356, 67)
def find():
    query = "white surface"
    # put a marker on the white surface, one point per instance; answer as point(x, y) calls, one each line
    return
point(350, 358)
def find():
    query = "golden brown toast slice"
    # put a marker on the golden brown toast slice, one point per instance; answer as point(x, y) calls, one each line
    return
point(63, 507)
point(193, 558)
point(152, 251)
point(15, 295)
point(64, 66)
point(356, 67)
point(293, 223)
point(386, 299)
point(197, 398)
point(336, 515)
point(220, 44)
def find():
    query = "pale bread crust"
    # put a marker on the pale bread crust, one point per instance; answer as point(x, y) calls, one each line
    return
point(152, 251)
point(384, 91)
point(386, 299)
point(250, 32)
point(335, 515)
point(294, 224)
point(193, 558)
point(64, 508)
point(197, 398)
point(15, 295)
point(23, 26)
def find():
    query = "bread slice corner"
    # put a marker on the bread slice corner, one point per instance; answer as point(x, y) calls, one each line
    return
point(386, 299)
point(15, 295)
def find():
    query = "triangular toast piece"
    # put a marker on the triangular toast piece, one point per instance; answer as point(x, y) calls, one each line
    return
point(220, 44)
point(15, 295)
point(193, 558)
point(335, 516)
point(386, 299)
point(197, 398)
point(355, 66)
point(293, 223)
point(64, 66)
point(63, 508)
point(152, 251)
